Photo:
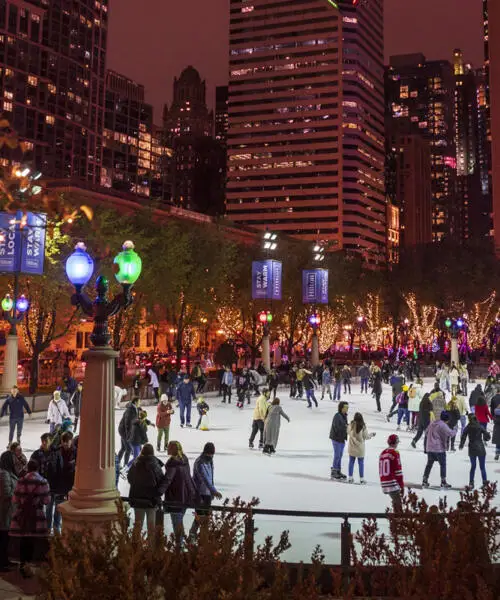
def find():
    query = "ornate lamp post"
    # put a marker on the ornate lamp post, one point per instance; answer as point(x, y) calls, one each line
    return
point(314, 322)
point(455, 326)
point(92, 501)
point(265, 319)
point(13, 313)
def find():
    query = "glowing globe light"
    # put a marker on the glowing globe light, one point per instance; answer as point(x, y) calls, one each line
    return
point(22, 304)
point(460, 323)
point(79, 266)
point(314, 320)
point(269, 317)
point(7, 303)
point(128, 264)
point(448, 322)
point(263, 317)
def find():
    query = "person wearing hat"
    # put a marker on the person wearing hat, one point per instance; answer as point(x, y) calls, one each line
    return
point(391, 473)
point(57, 411)
point(438, 435)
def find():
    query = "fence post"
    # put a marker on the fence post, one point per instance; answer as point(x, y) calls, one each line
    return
point(249, 536)
point(345, 551)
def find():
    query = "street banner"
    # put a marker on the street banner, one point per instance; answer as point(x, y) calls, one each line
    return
point(266, 280)
point(22, 242)
point(315, 286)
point(10, 245)
point(33, 244)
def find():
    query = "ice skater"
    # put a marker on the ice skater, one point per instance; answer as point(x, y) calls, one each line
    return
point(391, 472)
point(185, 395)
point(259, 416)
point(338, 435)
point(272, 426)
point(309, 386)
point(438, 434)
point(477, 451)
point(357, 434)
point(202, 408)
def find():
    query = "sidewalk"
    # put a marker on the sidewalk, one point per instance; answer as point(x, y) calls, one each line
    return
point(14, 587)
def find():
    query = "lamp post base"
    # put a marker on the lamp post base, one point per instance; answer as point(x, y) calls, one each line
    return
point(9, 378)
point(454, 356)
point(266, 352)
point(315, 350)
point(92, 501)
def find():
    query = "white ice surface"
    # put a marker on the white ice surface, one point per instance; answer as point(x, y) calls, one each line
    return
point(297, 477)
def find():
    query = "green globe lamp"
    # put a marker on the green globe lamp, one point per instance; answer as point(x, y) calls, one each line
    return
point(128, 265)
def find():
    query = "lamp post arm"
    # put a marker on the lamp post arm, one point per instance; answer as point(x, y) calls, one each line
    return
point(82, 301)
point(121, 301)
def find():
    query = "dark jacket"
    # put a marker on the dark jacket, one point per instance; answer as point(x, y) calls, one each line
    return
point(185, 392)
point(16, 407)
point(138, 435)
point(476, 434)
point(496, 427)
point(364, 372)
point(474, 395)
point(425, 410)
point(49, 465)
point(62, 480)
point(145, 476)
point(454, 417)
point(177, 485)
point(203, 476)
point(397, 382)
point(129, 416)
point(495, 402)
point(377, 382)
point(308, 381)
point(338, 430)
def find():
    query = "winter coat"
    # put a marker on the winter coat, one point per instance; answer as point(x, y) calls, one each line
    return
point(308, 381)
point(131, 413)
point(203, 476)
point(76, 400)
point(32, 493)
point(482, 413)
point(57, 411)
point(185, 393)
point(338, 430)
point(462, 404)
point(346, 374)
point(8, 483)
point(414, 398)
point(495, 402)
point(438, 433)
point(364, 372)
point(164, 414)
point(496, 427)
point(356, 444)
point(228, 378)
point(145, 476)
point(202, 408)
point(272, 424)
point(438, 403)
point(326, 377)
point(425, 410)
point(61, 482)
point(476, 435)
point(139, 433)
point(16, 405)
point(261, 408)
point(49, 464)
point(20, 464)
point(454, 417)
point(377, 382)
point(474, 395)
point(454, 377)
point(397, 382)
point(177, 485)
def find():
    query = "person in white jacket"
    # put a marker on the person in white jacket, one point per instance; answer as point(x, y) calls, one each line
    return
point(119, 394)
point(57, 411)
point(357, 434)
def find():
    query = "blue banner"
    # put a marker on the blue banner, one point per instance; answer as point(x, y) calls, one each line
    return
point(315, 286)
point(22, 242)
point(266, 280)
point(33, 244)
point(10, 242)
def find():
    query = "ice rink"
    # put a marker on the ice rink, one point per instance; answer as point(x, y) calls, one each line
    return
point(297, 477)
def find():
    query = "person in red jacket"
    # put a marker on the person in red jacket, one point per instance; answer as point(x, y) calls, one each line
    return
point(482, 412)
point(391, 473)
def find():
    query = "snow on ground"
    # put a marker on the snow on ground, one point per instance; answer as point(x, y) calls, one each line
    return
point(297, 477)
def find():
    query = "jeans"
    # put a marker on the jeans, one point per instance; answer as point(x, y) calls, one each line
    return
point(422, 426)
point(310, 396)
point(162, 431)
point(52, 512)
point(463, 423)
point(337, 390)
point(364, 384)
point(150, 514)
point(13, 423)
point(226, 392)
point(482, 467)
point(361, 466)
point(257, 425)
point(326, 388)
point(125, 451)
point(433, 457)
point(136, 450)
point(347, 384)
point(177, 519)
point(403, 413)
point(338, 451)
point(185, 412)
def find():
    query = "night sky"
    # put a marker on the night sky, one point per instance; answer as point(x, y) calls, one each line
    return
point(151, 41)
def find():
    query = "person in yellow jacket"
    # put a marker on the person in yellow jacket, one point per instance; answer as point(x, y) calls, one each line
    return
point(259, 416)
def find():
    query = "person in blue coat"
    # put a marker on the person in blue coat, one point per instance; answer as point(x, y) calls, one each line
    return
point(16, 404)
point(203, 479)
point(185, 395)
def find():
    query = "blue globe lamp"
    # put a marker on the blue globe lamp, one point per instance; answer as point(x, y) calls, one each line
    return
point(22, 304)
point(79, 266)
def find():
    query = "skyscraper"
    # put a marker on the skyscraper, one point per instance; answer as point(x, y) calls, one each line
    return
point(185, 124)
point(493, 38)
point(52, 56)
point(221, 119)
point(298, 102)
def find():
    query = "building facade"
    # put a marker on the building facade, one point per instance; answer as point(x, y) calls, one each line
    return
point(52, 82)
point(221, 118)
point(420, 100)
point(296, 106)
point(493, 37)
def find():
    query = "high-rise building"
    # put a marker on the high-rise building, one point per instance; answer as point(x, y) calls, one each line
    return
point(420, 100)
point(408, 187)
point(221, 119)
point(493, 38)
point(52, 63)
point(185, 124)
point(305, 139)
